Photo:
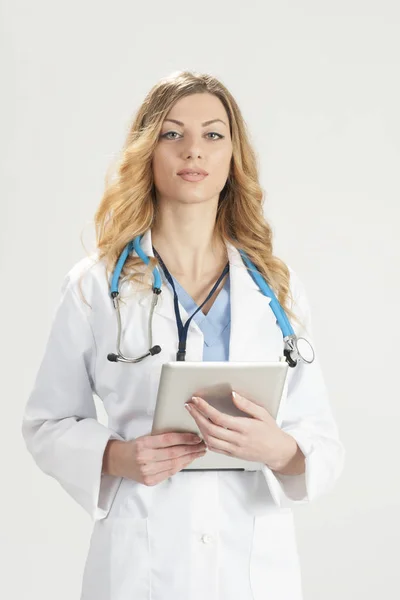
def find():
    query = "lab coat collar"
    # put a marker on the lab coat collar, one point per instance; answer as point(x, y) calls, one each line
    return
point(249, 306)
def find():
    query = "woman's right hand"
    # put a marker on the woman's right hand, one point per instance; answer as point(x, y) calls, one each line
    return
point(150, 459)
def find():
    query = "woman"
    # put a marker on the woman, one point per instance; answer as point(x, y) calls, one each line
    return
point(161, 532)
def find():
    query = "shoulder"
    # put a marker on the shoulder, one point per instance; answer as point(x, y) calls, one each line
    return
point(296, 284)
point(87, 280)
point(299, 300)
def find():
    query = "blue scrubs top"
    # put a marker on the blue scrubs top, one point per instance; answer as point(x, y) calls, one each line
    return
point(215, 325)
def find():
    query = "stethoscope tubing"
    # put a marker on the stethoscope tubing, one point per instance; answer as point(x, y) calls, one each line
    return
point(291, 351)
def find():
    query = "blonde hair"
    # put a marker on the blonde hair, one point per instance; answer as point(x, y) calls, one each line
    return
point(127, 208)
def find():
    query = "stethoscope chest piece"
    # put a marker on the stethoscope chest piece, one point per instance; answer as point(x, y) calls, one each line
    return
point(298, 349)
point(305, 350)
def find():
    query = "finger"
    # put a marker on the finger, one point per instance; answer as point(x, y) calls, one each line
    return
point(173, 463)
point(172, 452)
point(157, 477)
point(250, 407)
point(219, 418)
point(164, 440)
point(221, 446)
point(217, 444)
point(210, 429)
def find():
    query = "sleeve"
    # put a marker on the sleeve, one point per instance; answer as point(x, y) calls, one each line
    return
point(60, 425)
point(307, 416)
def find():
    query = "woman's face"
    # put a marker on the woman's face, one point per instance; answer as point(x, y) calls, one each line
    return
point(188, 140)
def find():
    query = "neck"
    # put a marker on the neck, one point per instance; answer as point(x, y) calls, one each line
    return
point(187, 242)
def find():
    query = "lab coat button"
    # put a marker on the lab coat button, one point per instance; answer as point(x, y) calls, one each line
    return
point(206, 538)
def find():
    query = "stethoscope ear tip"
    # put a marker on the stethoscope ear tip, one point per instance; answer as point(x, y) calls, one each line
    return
point(155, 350)
point(112, 357)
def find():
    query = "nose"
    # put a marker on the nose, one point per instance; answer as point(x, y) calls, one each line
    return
point(192, 148)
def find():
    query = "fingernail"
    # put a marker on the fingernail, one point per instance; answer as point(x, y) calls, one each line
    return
point(188, 406)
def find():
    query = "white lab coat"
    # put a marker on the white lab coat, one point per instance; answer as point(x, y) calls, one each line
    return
point(196, 535)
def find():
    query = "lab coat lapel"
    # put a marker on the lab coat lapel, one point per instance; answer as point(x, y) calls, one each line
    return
point(252, 321)
point(255, 334)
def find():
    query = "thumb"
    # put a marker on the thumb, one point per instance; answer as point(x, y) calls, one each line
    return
point(247, 406)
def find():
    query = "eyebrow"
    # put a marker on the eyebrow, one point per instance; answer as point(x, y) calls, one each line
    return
point(203, 124)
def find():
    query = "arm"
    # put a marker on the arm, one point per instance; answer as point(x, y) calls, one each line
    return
point(60, 425)
point(307, 417)
point(294, 461)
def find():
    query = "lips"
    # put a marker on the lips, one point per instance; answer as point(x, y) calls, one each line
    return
point(192, 172)
point(192, 176)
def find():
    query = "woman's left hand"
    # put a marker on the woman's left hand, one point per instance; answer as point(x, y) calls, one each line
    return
point(257, 439)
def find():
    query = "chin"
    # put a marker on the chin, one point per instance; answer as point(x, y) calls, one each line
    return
point(188, 199)
point(195, 200)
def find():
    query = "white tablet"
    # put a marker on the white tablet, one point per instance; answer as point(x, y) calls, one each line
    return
point(261, 382)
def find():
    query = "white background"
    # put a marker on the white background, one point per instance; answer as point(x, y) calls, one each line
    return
point(318, 84)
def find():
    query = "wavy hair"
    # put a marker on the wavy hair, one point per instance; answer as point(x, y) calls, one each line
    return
point(128, 206)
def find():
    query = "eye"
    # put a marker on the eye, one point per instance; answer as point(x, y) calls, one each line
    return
point(168, 132)
point(215, 133)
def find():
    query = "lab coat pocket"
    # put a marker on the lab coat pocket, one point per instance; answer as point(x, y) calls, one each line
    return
point(118, 562)
point(274, 563)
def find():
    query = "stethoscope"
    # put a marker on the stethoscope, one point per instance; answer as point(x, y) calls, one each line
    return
point(292, 352)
